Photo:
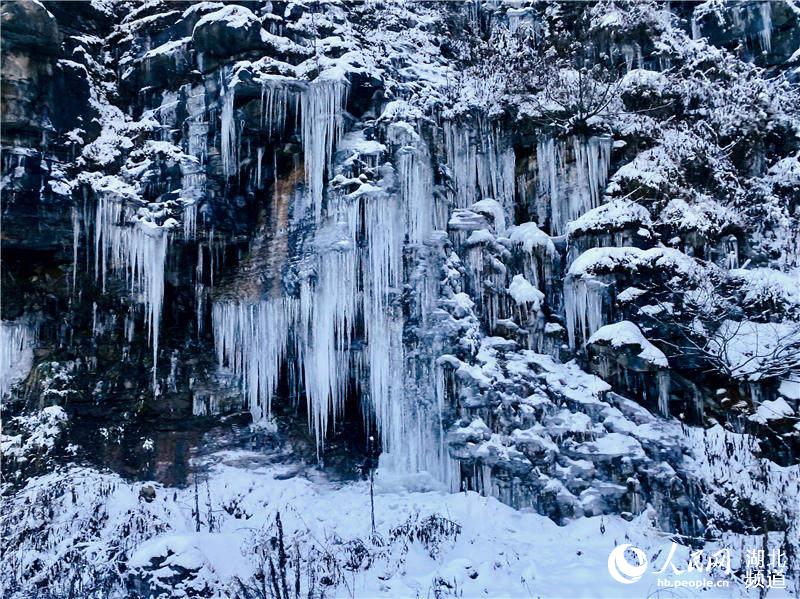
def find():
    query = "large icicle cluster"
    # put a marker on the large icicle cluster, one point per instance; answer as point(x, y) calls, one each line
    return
point(354, 275)
point(251, 339)
point(17, 339)
point(138, 249)
point(321, 111)
point(569, 192)
point(583, 307)
point(481, 167)
point(416, 182)
point(322, 127)
point(315, 329)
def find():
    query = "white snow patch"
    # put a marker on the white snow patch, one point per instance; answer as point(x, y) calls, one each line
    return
point(525, 293)
point(774, 409)
point(625, 333)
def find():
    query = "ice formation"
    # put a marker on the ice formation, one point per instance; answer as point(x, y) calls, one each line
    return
point(570, 191)
point(76, 240)
point(229, 144)
point(17, 339)
point(480, 171)
point(765, 35)
point(383, 274)
point(416, 182)
point(251, 340)
point(277, 97)
point(358, 241)
point(321, 108)
point(327, 313)
point(138, 248)
point(320, 103)
point(583, 307)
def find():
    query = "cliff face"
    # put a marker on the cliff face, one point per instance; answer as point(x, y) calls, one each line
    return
point(543, 251)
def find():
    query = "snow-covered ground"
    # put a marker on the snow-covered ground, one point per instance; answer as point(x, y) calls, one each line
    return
point(499, 551)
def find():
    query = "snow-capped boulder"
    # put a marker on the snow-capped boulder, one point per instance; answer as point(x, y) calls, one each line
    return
point(228, 31)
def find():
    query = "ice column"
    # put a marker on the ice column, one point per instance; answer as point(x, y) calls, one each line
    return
point(327, 315)
point(765, 35)
point(229, 148)
point(383, 273)
point(415, 176)
point(17, 339)
point(663, 392)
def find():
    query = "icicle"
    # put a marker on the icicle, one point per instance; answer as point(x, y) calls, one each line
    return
point(76, 239)
point(199, 290)
point(550, 165)
point(416, 182)
point(130, 325)
point(322, 126)
point(570, 193)
point(765, 35)
point(17, 339)
point(197, 140)
point(695, 28)
point(190, 221)
point(756, 393)
point(96, 330)
point(322, 104)
point(251, 340)
point(592, 159)
point(259, 161)
point(193, 189)
point(583, 307)
point(138, 249)
point(480, 172)
point(326, 317)
point(496, 171)
point(229, 135)
point(460, 159)
point(663, 392)
point(172, 377)
point(276, 95)
point(383, 271)
point(106, 235)
point(197, 126)
point(731, 246)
